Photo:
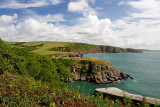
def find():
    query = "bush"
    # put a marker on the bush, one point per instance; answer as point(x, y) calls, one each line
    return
point(26, 91)
point(22, 62)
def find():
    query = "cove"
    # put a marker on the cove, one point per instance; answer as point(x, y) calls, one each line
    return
point(144, 67)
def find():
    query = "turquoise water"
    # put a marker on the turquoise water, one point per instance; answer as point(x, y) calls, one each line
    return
point(144, 67)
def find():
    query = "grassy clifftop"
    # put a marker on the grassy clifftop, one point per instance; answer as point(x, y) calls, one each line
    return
point(46, 48)
point(66, 48)
point(42, 48)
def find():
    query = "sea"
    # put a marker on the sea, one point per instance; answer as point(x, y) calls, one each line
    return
point(143, 67)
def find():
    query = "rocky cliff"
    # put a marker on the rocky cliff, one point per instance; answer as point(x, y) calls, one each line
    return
point(99, 49)
point(111, 49)
point(95, 70)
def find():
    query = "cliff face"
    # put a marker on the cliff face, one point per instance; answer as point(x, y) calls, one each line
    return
point(100, 49)
point(110, 49)
point(100, 73)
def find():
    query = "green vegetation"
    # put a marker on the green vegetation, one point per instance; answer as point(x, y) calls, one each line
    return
point(29, 48)
point(54, 48)
point(84, 65)
point(22, 62)
point(85, 60)
point(62, 68)
point(67, 48)
point(30, 79)
point(43, 48)
point(27, 92)
point(83, 47)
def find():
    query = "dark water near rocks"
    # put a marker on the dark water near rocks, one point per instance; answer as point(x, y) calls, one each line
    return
point(144, 67)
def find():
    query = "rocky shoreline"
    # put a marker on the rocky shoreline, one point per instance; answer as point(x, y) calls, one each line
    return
point(108, 80)
point(100, 74)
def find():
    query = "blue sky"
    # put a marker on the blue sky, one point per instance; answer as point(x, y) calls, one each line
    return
point(122, 23)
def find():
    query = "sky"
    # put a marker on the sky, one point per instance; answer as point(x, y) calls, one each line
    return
point(121, 23)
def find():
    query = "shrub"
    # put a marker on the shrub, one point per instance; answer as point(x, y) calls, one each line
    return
point(22, 62)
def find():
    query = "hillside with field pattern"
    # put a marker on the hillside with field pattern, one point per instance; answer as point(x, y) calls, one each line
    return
point(62, 49)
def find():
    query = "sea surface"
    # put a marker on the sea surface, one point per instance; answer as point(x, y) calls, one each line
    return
point(144, 67)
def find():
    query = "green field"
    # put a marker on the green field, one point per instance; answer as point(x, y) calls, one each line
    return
point(68, 49)
point(48, 48)
point(42, 48)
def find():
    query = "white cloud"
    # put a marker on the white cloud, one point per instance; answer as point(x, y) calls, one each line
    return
point(5, 20)
point(54, 18)
point(137, 30)
point(32, 30)
point(146, 8)
point(44, 18)
point(81, 6)
point(15, 4)
point(54, 2)
point(140, 27)
point(145, 4)
point(90, 30)
point(93, 30)
point(98, 8)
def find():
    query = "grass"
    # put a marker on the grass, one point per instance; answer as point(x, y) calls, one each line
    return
point(83, 47)
point(55, 48)
point(47, 48)
point(95, 60)
point(34, 90)
point(43, 50)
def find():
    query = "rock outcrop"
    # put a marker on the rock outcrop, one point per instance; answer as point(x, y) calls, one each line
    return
point(104, 73)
